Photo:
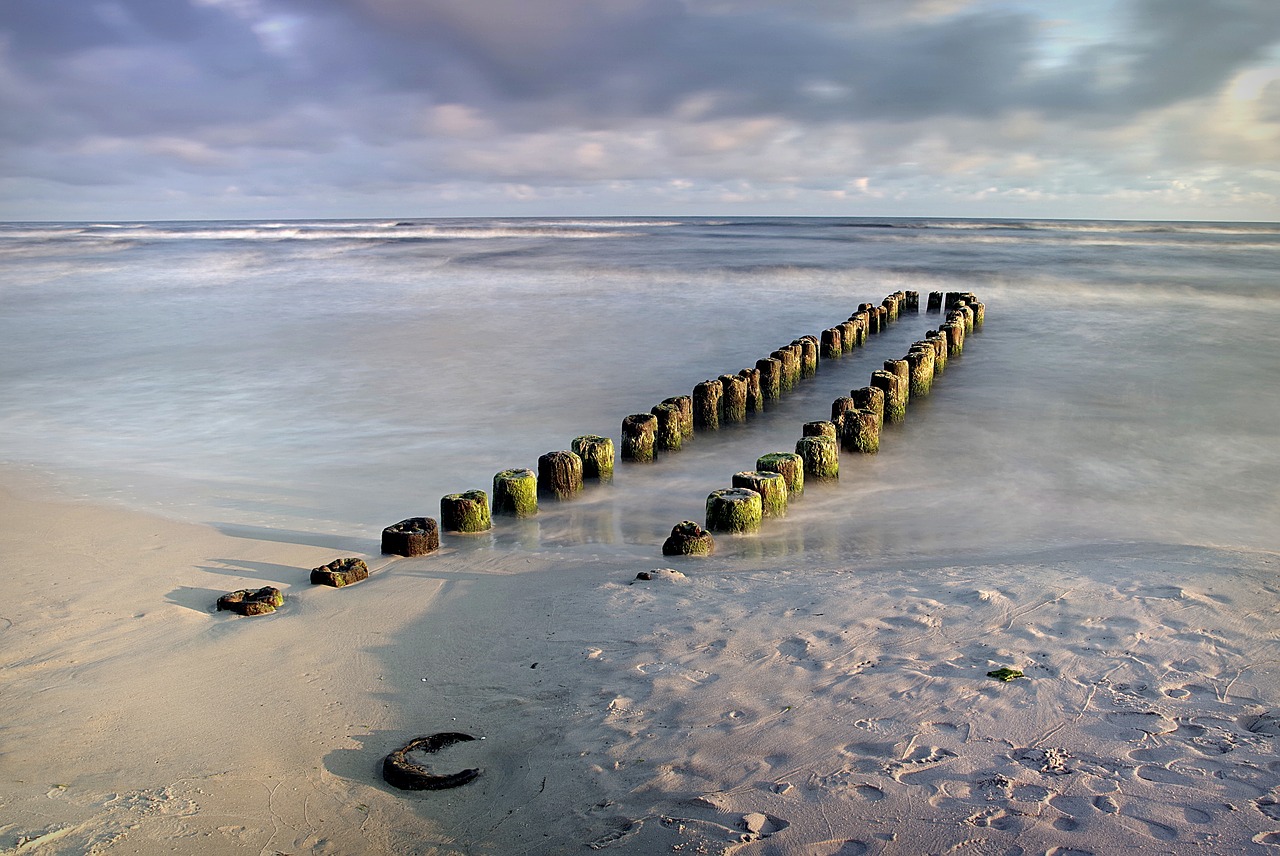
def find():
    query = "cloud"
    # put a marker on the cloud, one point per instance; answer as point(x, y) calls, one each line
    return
point(636, 100)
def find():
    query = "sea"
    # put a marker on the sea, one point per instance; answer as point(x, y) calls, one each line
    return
point(319, 380)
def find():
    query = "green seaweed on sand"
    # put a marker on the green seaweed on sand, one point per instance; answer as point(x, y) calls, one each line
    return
point(1005, 674)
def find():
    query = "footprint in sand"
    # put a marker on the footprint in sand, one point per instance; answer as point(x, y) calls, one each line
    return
point(1271, 838)
point(1158, 831)
point(623, 829)
point(1146, 721)
point(1067, 851)
point(1270, 806)
point(1051, 761)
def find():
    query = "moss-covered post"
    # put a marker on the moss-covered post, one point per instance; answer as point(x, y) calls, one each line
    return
point(921, 358)
point(706, 405)
point(840, 405)
point(873, 318)
point(902, 369)
point(669, 436)
point(870, 398)
point(688, 539)
point(465, 512)
point(416, 536)
point(895, 398)
point(597, 456)
point(912, 304)
point(733, 399)
point(979, 313)
point(821, 457)
point(560, 474)
point(515, 493)
point(860, 431)
point(935, 302)
point(884, 317)
point(965, 308)
point(954, 331)
point(890, 304)
point(832, 343)
point(772, 488)
point(734, 509)
point(787, 464)
point(770, 378)
point(789, 356)
point(808, 356)
point(819, 429)
point(639, 432)
point(685, 405)
point(939, 341)
point(755, 395)
point(848, 335)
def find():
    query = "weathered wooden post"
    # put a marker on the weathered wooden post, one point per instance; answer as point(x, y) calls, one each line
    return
point(597, 456)
point(979, 313)
point(639, 432)
point(860, 431)
point(884, 318)
point(465, 512)
point(770, 378)
point(416, 536)
point(841, 405)
point(706, 405)
point(669, 435)
point(772, 488)
point(873, 318)
point(848, 335)
point(935, 301)
point(965, 308)
point(755, 395)
point(921, 358)
point(734, 509)
point(954, 331)
point(912, 304)
point(890, 304)
point(902, 369)
point(733, 399)
point(808, 356)
point(688, 539)
point(560, 473)
point(340, 572)
point(685, 404)
point(821, 457)
point(862, 324)
point(787, 464)
point(819, 429)
point(895, 400)
point(832, 343)
point(870, 398)
point(789, 356)
point(515, 493)
point(939, 341)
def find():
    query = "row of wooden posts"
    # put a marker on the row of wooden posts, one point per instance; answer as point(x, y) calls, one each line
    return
point(855, 425)
point(725, 400)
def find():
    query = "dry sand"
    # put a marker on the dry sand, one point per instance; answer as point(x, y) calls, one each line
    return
point(741, 705)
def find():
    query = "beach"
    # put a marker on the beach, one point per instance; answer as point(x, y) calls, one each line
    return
point(765, 706)
point(1086, 496)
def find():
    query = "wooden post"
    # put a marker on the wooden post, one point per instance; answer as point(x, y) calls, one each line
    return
point(597, 456)
point(685, 404)
point(939, 341)
point(770, 378)
point(706, 405)
point(515, 493)
point(669, 436)
point(688, 539)
point(902, 369)
point(935, 301)
point(821, 457)
point(560, 474)
point(639, 433)
point(787, 464)
point(895, 400)
point(755, 395)
point(860, 431)
point(832, 340)
point(416, 536)
point(465, 512)
point(734, 509)
point(921, 358)
point(789, 355)
point(819, 429)
point(954, 331)
point(733, 399)
point(808, 356)
point(912, 304)
point(848, 336)
point(873, 318)
point(884, 318)
point(772, 488)
point(890, 304)
point(979, 313)
point(841, 405)
point(870, 398)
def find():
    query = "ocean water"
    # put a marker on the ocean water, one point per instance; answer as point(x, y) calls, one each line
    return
point(320, 380)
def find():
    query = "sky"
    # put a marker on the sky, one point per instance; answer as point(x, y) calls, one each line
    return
point(299, 109)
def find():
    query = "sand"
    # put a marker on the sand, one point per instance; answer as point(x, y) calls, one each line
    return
point(738, 704)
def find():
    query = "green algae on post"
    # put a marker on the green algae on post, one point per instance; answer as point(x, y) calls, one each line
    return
point(895, 398)
point(560, 474)
point(639, 435)
point(787, 464)
point(734, 509)
point(770, 378)
point(808, 356)
point(1005, 674)
point(340, 572)
point(669, 436)
point(416, 536)
point(902, 369)
point(733, 399)
point(860, 431)
point(870, 398)
point(685, 405)
point(465, 512)
point(842, 405)
point(821, 457)
point(706, 404)
point(755, 395)
point(921, 359)
point(597, 456)
point(820, 428)
point(515, 493)
point(771, 486)
point(832, 343)
point(263, 601)
point(688, 539)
